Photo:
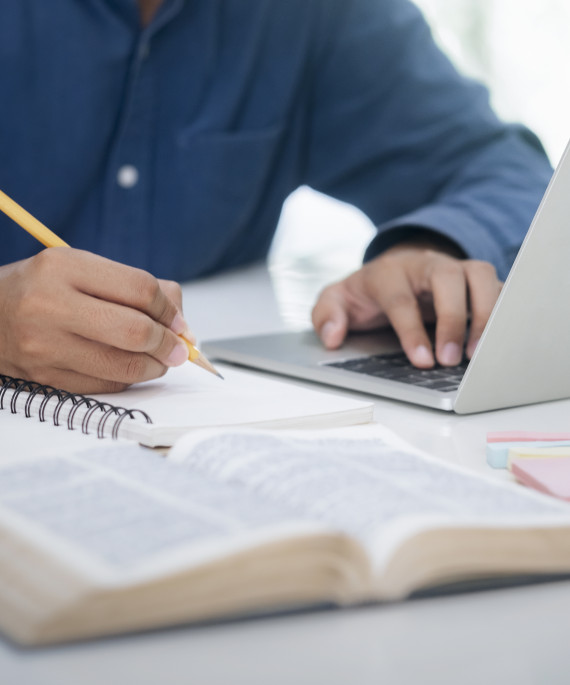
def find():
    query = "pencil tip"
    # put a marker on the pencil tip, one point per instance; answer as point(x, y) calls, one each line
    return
point(208, 366)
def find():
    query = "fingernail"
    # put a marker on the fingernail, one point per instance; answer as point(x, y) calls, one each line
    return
point(178, 356)
point(450, 354)
point(178, 325)
point(329, 332)
point(422, 356)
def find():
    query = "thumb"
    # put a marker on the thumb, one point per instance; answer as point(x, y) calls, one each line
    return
point(173, 291)
point(330, 318)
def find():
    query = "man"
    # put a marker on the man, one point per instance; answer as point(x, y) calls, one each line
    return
point(165, 135)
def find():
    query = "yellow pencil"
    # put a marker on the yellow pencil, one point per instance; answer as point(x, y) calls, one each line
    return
point(48, 238)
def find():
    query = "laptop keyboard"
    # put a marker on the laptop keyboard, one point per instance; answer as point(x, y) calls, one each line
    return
point(397, 367)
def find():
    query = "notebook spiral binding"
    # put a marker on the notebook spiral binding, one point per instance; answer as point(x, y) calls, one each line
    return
point(51, 395)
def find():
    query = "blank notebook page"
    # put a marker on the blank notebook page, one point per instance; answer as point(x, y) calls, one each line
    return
point(187, 397)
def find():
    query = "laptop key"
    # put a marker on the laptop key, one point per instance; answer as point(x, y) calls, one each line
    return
point(397, 367)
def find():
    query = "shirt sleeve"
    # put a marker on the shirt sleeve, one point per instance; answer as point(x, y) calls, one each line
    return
point(395, 130)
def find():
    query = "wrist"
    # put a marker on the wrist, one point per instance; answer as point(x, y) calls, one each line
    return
point(433, 242)
point(414, 236)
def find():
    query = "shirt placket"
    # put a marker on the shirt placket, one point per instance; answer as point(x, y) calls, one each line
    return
point(127, 206)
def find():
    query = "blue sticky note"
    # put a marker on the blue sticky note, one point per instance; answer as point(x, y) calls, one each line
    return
point(498, 452)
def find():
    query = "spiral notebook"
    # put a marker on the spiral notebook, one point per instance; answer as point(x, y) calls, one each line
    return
point(156, 413)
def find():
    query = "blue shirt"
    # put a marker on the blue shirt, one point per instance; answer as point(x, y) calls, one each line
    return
point(173, 147)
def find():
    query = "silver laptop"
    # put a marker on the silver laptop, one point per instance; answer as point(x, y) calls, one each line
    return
point(523, 356)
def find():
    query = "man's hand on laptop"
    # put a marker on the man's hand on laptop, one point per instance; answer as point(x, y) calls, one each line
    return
point(406, 286)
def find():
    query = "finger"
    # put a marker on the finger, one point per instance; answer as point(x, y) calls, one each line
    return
point(71, 381)
point(89, 358)
point(450, 303)
point(125, 285)
point(484, 289)
point(123, 328)
point(393, 291)
point(70, 353)
point(174, 292)
point(330, 316)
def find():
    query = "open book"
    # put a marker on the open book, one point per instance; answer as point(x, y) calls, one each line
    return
point(158, 412)
point(117, 539)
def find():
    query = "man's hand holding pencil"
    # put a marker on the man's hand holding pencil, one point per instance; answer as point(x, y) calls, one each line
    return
point(86, 324)
point(77, 321)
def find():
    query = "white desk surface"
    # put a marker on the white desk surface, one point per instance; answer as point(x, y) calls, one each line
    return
point(515, 635)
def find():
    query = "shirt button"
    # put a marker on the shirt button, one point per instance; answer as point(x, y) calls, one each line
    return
point(127, 176)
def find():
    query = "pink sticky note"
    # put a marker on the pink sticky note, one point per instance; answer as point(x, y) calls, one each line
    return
point(525, 436)
point(551, 476)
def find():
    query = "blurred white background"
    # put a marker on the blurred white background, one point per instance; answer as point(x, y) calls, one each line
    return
point(519, 48)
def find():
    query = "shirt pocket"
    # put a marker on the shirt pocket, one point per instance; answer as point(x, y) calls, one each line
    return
point(227, 177)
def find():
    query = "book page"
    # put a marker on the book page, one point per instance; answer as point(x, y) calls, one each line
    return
point(130, 509)
point(127, 508)
point(375, 489)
